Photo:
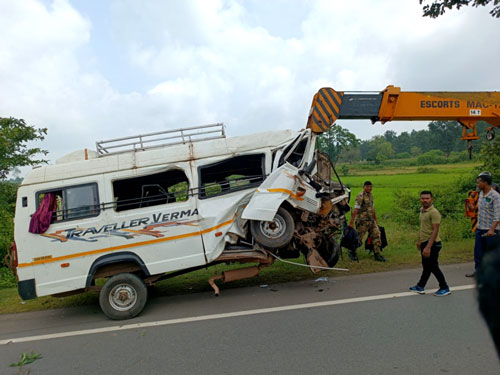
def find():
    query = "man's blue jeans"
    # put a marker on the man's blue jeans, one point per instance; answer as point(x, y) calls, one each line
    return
point(482, 245)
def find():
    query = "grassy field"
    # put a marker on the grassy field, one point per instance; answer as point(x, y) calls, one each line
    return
point(454, 169)
point(387, 180)
point(401, 252)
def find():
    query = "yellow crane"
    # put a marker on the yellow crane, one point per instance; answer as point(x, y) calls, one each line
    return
point(392, 104)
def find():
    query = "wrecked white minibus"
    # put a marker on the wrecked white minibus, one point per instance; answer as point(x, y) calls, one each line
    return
point(145, 208)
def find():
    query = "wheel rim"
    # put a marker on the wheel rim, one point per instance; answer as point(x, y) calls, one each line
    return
point(273, 229)
point(123, 297)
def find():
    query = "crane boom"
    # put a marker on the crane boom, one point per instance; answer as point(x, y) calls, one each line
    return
point(392, 104)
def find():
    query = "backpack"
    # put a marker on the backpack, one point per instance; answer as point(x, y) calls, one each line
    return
point(350, 239)
point(383, 238)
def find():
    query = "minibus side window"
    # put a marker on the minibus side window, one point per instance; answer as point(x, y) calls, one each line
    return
point(58, 215)
point(73, 202)
point(237, 173)
point(81, 201)
point(151, 190)
point(295, 157)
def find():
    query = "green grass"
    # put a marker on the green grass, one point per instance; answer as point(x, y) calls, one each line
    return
point(373, 170)
point(408, 180)
point(387, 180)
point(401, 252)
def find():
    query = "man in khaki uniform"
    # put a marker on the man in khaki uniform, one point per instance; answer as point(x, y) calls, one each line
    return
point(366, 221)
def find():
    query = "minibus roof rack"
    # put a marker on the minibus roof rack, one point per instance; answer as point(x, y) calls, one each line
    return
point(160, 139)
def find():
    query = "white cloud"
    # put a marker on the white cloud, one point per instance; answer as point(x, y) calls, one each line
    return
point(39, 66)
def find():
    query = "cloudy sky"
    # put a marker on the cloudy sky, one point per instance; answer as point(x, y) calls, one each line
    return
point(91, 69)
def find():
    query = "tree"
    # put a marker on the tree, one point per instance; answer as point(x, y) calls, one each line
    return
point(8, 191)
point(351, 155)
point(439, 7)
point(337, 140)
point(490, 155)
point(415, 150)
point(380, 149)
point(365, 149)
point(445, 135)
point(402, 143)
point(14, 151)
point(384, 151)
point(390, 136)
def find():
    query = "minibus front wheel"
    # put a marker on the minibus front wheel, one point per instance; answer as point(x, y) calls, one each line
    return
point(123, 296)
point(276, 233)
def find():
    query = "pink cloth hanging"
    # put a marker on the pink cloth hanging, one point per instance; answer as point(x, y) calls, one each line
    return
point(41, 219)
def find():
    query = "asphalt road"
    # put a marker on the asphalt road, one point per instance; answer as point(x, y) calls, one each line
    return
point(364, 324)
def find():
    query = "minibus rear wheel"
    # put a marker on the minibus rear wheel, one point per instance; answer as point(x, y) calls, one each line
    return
point(275, 233)
point(123, 296)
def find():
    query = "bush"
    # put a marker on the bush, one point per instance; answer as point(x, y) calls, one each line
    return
point(7, 208)
point(490, 156)
point(458, 157)
point(467, 183)
point(7, 278)
point(448, 201)
point(406, 208)
point(432, 157)
point(436, 153)
point(344, 170)
point(415, 150)
point(402, 155)
point(455, 228)
point(6, 235)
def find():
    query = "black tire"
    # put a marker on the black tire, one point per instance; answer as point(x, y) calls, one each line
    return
point(130, 303)
point(276, 233)
point(330, 251)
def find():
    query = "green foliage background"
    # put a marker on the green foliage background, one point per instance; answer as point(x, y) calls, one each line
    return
point(7, 207)
point(336, 141)
point(14, 151)
point(15, 135)
point(439, 143)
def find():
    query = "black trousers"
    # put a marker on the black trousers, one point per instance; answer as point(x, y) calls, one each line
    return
point(431, 265)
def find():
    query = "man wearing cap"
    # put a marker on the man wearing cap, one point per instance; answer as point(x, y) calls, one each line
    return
point(366, 221)
point(488, 228)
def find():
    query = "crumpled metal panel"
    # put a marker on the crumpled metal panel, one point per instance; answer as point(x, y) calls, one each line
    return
point(277, 187)
point(223, 212)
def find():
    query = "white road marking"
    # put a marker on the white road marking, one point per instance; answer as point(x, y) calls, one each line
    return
point(217, 316)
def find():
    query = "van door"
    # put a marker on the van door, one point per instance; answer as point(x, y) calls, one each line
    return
point(225, 186)
point(157, 210)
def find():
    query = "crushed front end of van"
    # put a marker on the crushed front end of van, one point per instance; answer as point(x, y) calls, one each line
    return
point(297, 209)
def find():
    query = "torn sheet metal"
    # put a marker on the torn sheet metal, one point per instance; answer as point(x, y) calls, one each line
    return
point(279, 186)
point(226, 209)
point(314, 259)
